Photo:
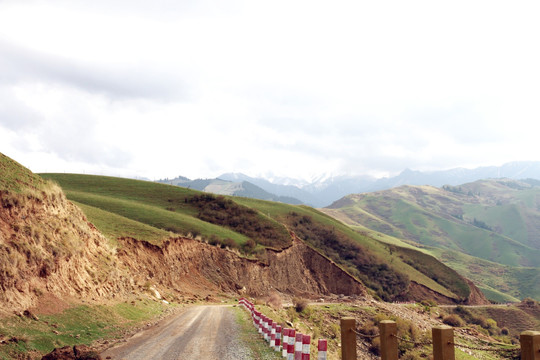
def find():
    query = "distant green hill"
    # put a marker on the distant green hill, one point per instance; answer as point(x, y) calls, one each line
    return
point(153, 211)
point(232, 188)
point(490, 224)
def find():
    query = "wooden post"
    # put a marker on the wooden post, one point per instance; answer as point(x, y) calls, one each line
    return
point(348, 338)
point(530, 345)
point(389, 341)
point(443, 343)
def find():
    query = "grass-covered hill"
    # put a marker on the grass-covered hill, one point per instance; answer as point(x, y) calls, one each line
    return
point(233, 188)
point(153, 211)
point(487, 230)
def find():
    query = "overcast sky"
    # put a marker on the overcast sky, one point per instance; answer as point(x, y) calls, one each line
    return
point(295, 88)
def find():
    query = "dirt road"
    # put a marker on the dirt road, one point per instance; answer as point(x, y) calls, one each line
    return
point(202, 332)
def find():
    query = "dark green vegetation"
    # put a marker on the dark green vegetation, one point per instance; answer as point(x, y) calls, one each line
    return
point(363, 263)
point(157, 209)
point(74, 326)
point(247, 221)
point(488, 231)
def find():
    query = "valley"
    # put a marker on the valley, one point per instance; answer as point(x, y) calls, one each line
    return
point(486, 230)
point(91, 260)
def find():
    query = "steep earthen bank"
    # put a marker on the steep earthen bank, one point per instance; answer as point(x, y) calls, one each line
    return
point(190, 267)
point(418, 292)
point(48, 247)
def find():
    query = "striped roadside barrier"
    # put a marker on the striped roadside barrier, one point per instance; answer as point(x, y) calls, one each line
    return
point(298, 347)
point(267, 327)
point(306, 342)
point(290, 346)
point(285, 342)
point(273, 335)
point(322, 348)
point(278, 338)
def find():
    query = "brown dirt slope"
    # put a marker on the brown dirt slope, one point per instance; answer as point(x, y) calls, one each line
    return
point(47, 246)
point(191, 267)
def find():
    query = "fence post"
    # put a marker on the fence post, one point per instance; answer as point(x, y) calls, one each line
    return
point(285, 342)
point(389, 341)
point(273, 335)
point(443, 343)
point(278, 338)
point(290, 347)
point(530, 345)
point(348, 338)
point(298, 346)
point(322, 348)
point(306, 342)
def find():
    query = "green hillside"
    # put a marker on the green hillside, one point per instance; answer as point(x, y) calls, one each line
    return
point(15, 177)
point(486, 230)
point(153, 211)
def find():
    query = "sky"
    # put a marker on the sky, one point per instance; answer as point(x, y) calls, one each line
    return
point(288, 88)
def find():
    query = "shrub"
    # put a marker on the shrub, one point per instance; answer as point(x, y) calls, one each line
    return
point(505, 331)
point(453, 320)
point(228, 242)
point(214, 240)
point(300, 304)
point(250, 245)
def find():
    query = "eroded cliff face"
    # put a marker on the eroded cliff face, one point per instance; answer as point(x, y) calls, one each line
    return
point(47, 246)
point(191, 267)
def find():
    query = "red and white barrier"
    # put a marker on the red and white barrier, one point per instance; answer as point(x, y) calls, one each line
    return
point(298, 347)
point(322, 348)
point(290, 346)
point(285, 342)
point(277, 345)
point(273, 334)
point(294, 346)
point(268, 329)
point(306, 342)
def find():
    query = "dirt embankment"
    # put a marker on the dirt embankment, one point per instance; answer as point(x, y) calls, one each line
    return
point(48, 247)
point(190, 267)
point(418, 292)
point(476, 297)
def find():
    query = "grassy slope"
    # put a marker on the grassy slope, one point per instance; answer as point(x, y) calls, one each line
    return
point(15, 177)
point(82, 324)
point(279, 211)
point(503, 262)
point(156, 207)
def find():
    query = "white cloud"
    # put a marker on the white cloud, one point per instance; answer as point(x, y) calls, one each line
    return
point(293, 87)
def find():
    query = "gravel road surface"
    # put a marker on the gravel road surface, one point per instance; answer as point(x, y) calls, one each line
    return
point(201, 332)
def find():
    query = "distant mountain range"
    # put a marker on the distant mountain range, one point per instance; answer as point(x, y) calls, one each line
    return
point(234, 188)
point(324, 191)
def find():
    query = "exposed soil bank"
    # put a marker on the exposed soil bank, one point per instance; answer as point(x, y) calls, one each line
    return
point(191, 267)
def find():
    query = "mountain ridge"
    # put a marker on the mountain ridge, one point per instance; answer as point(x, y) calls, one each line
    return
point(497, 220)
point(332, 188)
